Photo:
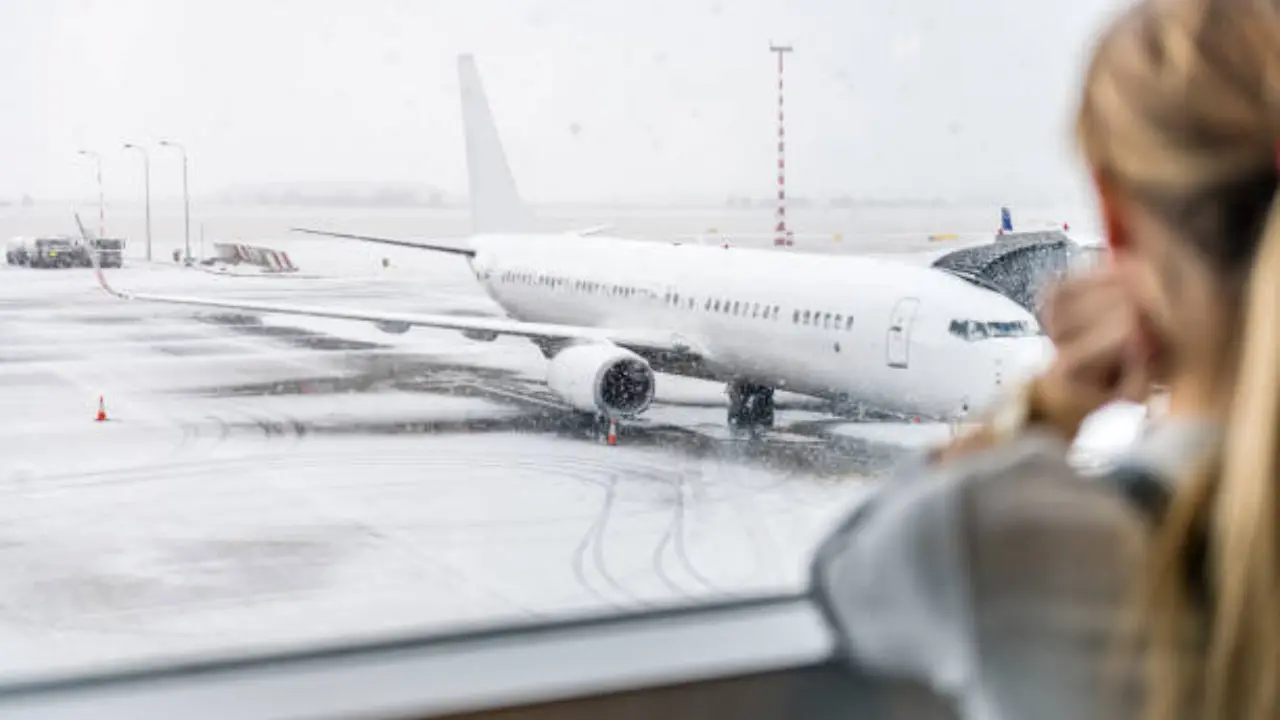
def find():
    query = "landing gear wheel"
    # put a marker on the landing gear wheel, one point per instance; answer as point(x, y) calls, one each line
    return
point(751, 407)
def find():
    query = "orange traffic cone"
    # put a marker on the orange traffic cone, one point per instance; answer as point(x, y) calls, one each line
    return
point(102, 410)
point(613, 432)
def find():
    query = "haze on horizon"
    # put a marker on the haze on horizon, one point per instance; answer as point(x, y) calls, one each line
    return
point(597, 100)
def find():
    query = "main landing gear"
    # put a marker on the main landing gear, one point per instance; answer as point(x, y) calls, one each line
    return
point(750, 407)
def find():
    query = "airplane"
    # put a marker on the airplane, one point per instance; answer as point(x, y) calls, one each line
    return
point(609, 312)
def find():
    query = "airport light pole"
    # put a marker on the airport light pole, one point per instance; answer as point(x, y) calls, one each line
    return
point(186, 197)
point(102, 205)
point(146, 185)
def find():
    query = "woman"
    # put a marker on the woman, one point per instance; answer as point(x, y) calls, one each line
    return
point(998, 576)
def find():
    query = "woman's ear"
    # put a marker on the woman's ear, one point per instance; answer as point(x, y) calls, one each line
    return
point(1115, 223)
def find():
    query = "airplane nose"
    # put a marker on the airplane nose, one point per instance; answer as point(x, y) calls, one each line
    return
point(1019, 360)
point(1025, 359)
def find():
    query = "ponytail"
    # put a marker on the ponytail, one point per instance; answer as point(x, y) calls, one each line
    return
point(1242, 678)
point(1180, 109)
point(1220, 654)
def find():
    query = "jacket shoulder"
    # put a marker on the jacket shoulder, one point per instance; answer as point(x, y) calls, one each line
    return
point(985, 571)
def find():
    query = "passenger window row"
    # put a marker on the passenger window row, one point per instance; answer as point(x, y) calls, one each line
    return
point(824, 320)
point(739, 308)
point(578, 286)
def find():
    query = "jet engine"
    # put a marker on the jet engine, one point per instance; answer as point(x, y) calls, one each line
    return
point(602, 378)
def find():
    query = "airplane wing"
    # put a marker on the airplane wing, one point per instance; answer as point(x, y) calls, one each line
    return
point(468, 252)
point(631, 339)
point(639, 340)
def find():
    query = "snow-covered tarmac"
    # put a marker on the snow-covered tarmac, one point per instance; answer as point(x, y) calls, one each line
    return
point(282, 481)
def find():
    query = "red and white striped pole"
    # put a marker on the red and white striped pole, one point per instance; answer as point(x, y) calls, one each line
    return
point(783, 236)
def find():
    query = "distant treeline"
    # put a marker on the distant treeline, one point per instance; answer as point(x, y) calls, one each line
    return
point(408, 196)
point(840, 201)
point(380, 197)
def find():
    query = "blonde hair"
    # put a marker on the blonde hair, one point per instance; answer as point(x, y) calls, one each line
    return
point(1181, 109)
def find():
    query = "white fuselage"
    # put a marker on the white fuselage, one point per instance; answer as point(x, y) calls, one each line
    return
point(865, 330)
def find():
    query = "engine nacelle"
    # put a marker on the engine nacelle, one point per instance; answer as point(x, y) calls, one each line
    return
point(602, 378)
point(395, 328)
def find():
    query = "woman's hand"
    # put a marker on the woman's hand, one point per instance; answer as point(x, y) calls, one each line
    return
point(1101, 352)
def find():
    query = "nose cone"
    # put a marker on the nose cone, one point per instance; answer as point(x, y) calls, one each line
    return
point(1027, 357)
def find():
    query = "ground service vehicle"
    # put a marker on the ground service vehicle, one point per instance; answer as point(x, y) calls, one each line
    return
point(110, 252)
point(16, 252)
point(52, 252)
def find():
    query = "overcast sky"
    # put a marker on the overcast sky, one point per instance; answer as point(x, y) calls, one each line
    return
point(595, 99)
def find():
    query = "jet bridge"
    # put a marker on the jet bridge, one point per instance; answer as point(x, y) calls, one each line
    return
point(1017, 266)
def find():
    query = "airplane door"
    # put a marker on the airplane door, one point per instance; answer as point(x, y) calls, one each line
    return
point(898, 347)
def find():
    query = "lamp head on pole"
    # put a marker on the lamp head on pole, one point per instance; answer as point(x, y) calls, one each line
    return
point(176, 146)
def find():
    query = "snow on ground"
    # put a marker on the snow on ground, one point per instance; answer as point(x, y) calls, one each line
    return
point(284, 481)
point(287, 482)
point(914, 435)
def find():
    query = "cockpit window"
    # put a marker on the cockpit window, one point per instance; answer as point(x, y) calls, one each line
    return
point(977, 330)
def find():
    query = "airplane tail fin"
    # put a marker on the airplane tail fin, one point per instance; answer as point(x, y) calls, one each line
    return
point(495, 203)
point(1006, 220)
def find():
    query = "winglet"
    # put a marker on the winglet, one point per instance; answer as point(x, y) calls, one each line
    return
point(93, 259)
point(1006, 220)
